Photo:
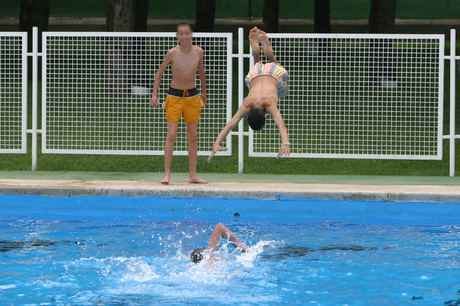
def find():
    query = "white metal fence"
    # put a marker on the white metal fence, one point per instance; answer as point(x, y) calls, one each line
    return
point(96, 90)
point(351, 96)
point(13, 92)
point(359, 96)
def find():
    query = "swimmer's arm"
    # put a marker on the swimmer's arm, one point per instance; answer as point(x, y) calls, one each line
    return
point(216, 236)
point(229, 236)
point(284, 149)
point(202, 74)
point(158, 76)
point(221, 232)
point(242, 111)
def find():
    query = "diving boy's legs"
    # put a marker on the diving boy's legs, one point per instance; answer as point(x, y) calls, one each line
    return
point(255, 43)
point(192, 152)
point(169, 149)
point(268, 51)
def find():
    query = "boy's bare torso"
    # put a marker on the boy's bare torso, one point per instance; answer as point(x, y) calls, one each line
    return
point(263, 92)
point(184, 66)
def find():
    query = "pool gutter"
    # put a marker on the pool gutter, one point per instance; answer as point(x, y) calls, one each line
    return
point(388, 193)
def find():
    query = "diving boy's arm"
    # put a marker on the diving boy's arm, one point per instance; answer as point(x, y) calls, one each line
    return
point(284, 149)
point(243, 110)
point(166, 61)
point(202, 74)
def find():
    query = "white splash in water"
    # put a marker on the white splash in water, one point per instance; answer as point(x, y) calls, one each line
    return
point(156, 276)
point(126, 268)
point(138, 271)
point(10, 286)
point(424, 277)
point(247, 259)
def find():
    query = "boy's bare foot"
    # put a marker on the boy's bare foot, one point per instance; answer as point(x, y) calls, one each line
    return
point(166, 180)
point(196, 180)
point(263, 38)
point(268, 51)
point(253, 40)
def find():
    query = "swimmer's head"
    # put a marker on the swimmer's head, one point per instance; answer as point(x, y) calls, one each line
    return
point(256, 119)
point(197, 255)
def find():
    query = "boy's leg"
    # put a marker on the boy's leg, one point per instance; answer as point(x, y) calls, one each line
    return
point(255, 44)
point(268, 51)
point(192, 152)
point(169, 149)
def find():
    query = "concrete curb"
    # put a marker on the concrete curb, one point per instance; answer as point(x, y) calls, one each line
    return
point(259, 194)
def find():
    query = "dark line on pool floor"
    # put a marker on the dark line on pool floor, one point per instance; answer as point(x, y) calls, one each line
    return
point(9, 245)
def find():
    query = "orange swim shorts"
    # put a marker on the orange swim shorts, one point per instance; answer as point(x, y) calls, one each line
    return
point(189, 107)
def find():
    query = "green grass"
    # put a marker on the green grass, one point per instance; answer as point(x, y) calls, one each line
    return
point(56, 162)
point(185, 9)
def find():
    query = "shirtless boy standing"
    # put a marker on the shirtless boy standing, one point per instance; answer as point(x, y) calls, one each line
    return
point(183, 98)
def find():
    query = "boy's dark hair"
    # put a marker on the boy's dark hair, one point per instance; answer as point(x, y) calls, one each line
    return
point(197, 255)
point(256, 119)
point(183, 24)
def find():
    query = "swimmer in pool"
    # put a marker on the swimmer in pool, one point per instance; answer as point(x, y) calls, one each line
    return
point(220, 232)
point(267, 83)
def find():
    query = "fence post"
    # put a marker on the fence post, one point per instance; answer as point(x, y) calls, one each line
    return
point(34, 96)
point(452, 104)
point(240, 100)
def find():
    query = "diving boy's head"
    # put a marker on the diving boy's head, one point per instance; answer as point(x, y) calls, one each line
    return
point(256, 119)
point(184, 33)
point(197, 255)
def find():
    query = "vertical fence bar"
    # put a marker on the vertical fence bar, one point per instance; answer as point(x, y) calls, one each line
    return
point(240, 100)
point(25, 98)
point(229, 106)
point(34, 96)
point(452, 104)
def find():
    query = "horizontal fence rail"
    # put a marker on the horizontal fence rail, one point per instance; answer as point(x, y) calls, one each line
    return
point(13, 92)
point(359, 96)
point(97, 86)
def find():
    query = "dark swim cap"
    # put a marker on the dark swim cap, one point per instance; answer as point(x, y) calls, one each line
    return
point(197, 255)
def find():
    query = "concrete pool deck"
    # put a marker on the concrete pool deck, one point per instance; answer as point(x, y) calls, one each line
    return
point(381, 188)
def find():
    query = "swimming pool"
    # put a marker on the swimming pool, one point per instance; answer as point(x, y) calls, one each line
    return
point(117, 250)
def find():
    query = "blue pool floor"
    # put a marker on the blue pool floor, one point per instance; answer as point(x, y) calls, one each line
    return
point(112, 250)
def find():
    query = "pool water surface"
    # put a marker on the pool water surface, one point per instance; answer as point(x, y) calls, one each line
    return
point(127, 250)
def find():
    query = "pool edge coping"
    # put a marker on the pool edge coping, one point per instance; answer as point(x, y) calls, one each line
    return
point(386, 196)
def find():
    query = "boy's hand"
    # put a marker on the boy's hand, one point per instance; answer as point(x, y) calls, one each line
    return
point(216, 149)
point(204, 98)
point(154, 101)
point(284, 151)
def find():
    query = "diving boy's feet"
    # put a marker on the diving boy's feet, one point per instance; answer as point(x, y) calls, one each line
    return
point(268, 51)
point(253, 40)
point(262, 38)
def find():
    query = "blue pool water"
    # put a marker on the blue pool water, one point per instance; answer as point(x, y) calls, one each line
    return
point(126, 250)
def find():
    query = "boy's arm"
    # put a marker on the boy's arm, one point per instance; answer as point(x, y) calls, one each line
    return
point(202, 74)
point(219, 232)
point(284, 149)
point(158, 76)
point(228, 127)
